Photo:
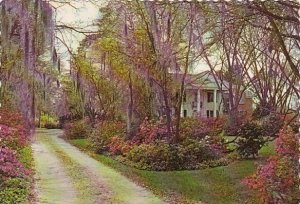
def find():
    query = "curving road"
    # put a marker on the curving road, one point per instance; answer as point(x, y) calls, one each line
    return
point(65, 175)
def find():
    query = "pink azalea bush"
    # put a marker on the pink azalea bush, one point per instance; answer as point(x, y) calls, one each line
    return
point(12, 137)
point(118, 146)
point(277, 181)
point(149, 131)
point(103, 133)
point(14, 177)
point(201, 127)
point(10, 167)
point(77, 129)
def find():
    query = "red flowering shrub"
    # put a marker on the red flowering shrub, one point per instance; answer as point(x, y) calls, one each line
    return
point(11, 119)
point(149, 131)
point(10, 166)
point(13, 129)
point(103, 132)
point(287, 144)
point(277, 181)
point(14, 177)
point(118, 146)
point(13, 138)
point(216, 144)
point(77, 130)
point(201, 127)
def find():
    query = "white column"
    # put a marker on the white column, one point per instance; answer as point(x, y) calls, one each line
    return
point(181, 111)
point(198, 102)
point(215, 102)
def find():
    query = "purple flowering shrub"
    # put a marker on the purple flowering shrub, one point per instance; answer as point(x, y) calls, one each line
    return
point(10, 167)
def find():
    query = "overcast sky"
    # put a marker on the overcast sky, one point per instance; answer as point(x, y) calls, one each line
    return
point(81, 14)
point(84, 15)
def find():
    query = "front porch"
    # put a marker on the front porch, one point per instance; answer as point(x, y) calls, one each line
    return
point(201, 103)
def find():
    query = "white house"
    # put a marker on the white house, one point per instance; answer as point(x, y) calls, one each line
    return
point(203, 97)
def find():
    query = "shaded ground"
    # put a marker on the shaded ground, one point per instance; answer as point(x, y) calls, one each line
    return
point(66, 175)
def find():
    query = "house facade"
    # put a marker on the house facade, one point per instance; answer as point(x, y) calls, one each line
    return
point(203, 98)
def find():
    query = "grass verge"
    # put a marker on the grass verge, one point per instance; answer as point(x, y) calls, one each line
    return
point(214, 185)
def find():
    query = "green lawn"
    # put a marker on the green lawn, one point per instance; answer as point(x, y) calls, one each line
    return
point(214, 185)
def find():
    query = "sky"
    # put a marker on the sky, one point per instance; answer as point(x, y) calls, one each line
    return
point(81, 14)
point(84, 15)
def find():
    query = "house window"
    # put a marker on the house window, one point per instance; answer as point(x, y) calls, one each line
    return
point(209, 113)
point(210, 97)
point(185, 113)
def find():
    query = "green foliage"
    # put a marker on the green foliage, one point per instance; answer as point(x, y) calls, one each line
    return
point(25, 157)
point(48, 121)
point(271, 124)
point(210, 185)
point(14, 191)
point(101, 136)
point(157, 157)
point(77, 130)
point(191, 154)
point(194, 152)
point(250, 139)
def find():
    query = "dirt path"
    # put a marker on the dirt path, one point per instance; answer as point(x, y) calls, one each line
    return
point(66, 175)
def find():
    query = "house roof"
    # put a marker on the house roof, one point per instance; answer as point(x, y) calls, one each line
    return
point(203, 80)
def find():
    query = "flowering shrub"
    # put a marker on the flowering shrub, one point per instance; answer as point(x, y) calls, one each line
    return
point(159, 156)
point(103, 132)
point(277, 181)
point(201, 127)
point(251, 139)
point(190, 154)
point(12, 119)
point(77, 130)
point(149, 131)
point(10, 166)
point(118, 146)
point(13, 138)
point(216, 144)
point(14, 177)
point(13, 131)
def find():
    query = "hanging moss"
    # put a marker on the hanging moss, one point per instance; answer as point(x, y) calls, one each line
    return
point(27, 33)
